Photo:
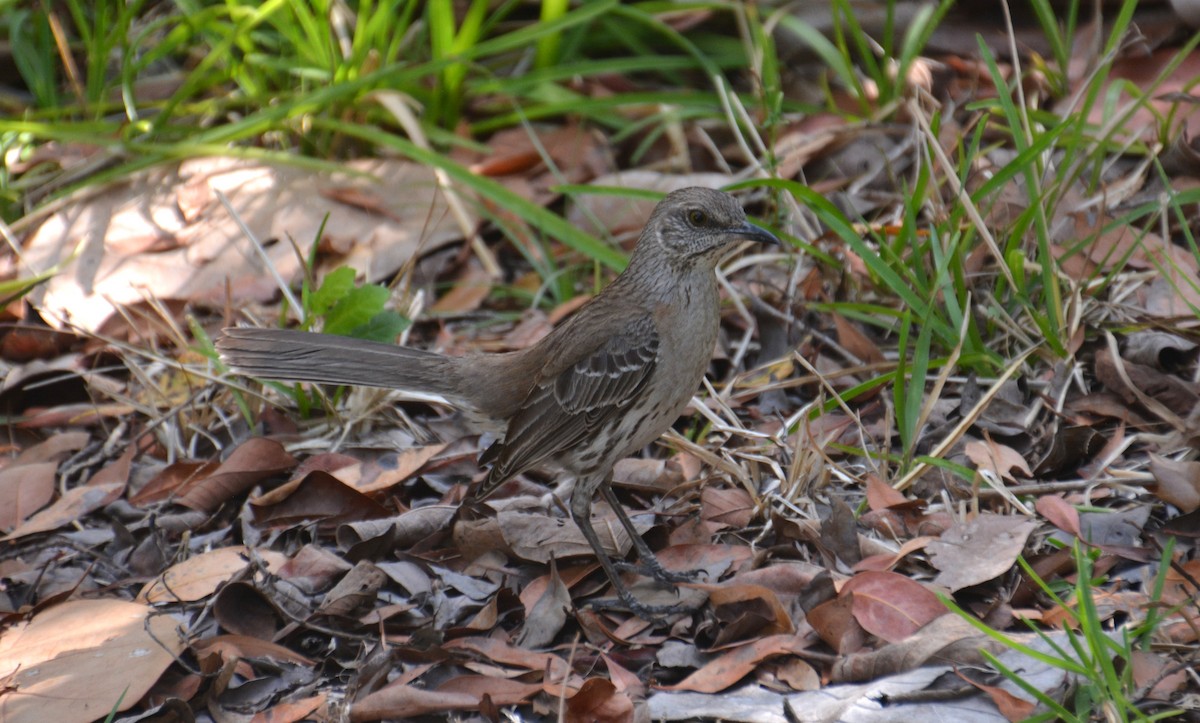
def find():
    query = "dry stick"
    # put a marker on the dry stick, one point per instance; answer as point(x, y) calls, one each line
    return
point(966, 422)
point(960, 193)
point(1147, 401)
point(730, 103)
point(940, 383)
point(394, 103)
point(262, 252)
point(1041, 488)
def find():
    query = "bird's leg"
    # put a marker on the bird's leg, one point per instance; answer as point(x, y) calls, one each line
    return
point(649, 561)
point(581, 510)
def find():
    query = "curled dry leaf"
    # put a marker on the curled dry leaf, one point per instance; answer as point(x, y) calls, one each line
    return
point(254, 460)
point(730, 667)
point(599, 701)
point(997, 458)
point(403, 530)
point(734, 601)
point(947, 640)
point(834, 621)
point(1176, 482)
point(546, 617)
point(244, 608)
point(357, 589)
point(1070, 449)
point(318, 497)
point(1177, 395)
point(1158, 349)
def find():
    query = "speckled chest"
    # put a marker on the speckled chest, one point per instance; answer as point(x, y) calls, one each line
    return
point(687, 325)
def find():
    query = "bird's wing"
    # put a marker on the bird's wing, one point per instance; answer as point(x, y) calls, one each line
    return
point(564, 409)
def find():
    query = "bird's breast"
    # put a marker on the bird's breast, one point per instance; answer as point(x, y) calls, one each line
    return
point(688, 332)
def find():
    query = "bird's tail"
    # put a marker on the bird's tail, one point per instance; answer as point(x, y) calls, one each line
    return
point(301, 356)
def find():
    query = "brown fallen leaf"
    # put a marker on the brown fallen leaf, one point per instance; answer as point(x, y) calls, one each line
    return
point(1059, 512)
point(728, 507)
point(467, 294)
point(554, 667)
point(276, 201)
point(999, 459)
point(319, 497)
point(74, 659)
point(979, 549)
point(1176, 482)
point(733, 665)
point(356, 590)
point(891, 606)
point(387, 470)
point(198, 577)
point(1070, 449)
point(599, 701)
point(887, 561)
point(407, 702)
point(104, 487)
point(170, 480)
point(733, 602)
point(1012, 707)
point(856, 342)
point(292, 711)
point(25, 489)
point(502, 691)
point(1175, 394)
point(233, 647)
point(624, 679)
point(252, 461)
point(947, 640)
point(54, 449)
point(882, 496)
point(540, 537)
point(546, 617)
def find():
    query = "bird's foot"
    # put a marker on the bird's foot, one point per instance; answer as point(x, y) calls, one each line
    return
point(651, 567)
point(650, 613)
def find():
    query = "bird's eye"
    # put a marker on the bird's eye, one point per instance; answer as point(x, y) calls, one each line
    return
point(696, 217)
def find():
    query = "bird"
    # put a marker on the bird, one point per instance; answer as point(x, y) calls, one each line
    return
point(602, 385)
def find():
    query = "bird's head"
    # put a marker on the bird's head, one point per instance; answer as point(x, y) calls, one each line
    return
point(696, 226)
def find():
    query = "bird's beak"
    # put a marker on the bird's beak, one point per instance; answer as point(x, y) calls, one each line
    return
point(750, 232)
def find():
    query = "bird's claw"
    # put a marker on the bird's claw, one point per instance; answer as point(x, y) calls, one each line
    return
point(658, 572)
point(649, 613)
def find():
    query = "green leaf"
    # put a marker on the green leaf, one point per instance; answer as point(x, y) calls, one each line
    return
point(384, 326)
point(336, 285)
point(355, 309)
